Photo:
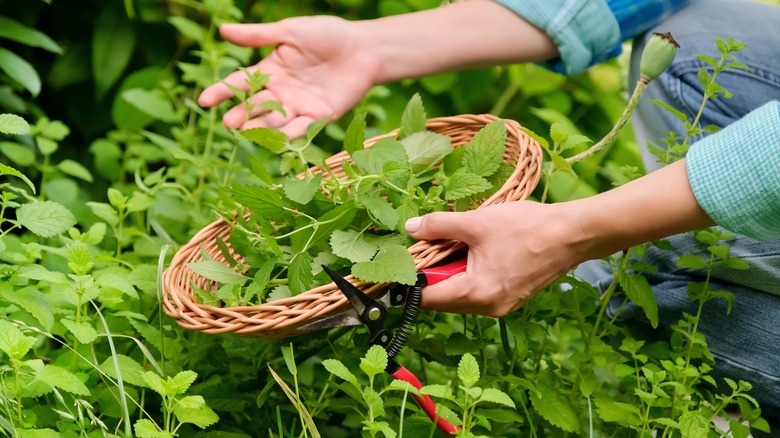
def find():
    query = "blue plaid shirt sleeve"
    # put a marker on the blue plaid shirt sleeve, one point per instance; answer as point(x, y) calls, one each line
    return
point(588, 32)
point(735, 174)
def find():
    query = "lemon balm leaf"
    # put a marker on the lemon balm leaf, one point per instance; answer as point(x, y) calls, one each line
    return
point(391, 264)
point(45, 219)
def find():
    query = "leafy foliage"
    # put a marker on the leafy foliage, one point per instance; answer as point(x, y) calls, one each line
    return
point(105, 159)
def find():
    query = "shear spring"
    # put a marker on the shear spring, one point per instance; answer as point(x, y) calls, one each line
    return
point(408, 321)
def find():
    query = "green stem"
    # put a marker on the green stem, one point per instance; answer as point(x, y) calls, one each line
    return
point(639, 90)
point(608, 294)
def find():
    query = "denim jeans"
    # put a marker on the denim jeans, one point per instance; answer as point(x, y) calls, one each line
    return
point(745, 344)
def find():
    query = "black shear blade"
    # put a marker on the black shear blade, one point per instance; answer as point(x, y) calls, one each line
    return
point(356, 297)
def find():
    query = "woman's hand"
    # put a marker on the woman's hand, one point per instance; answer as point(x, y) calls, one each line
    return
point(320, 68)
point(515, 250)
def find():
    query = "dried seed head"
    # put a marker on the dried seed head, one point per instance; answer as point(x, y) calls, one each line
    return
point(657, 56)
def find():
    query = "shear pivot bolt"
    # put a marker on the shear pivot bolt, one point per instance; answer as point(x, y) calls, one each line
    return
point(374, 314)
point(384, 338)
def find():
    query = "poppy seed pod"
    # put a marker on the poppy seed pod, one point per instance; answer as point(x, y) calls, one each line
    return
point(657, 55)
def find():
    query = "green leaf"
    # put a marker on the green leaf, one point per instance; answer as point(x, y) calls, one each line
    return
point(139, 202)
point(468, 370)
point(181, 382)
point(153, 103)
point(561, 164)
point(132, 371)
point(12, 341)
point(494, 395)
point(61, 378)
point(189, 28)
point(426, 149)
point(12, 124)
point(352, 245)
point(146, 429)
point(104, 211)
point(396, 173)
point(40, 273)
point(302, 191)
point(355, 134)
point(338, 369)
point(413, 118)
point(375, 361)
point(485, 152)
point(300, 277)
point(193, 410)
point(261, 201)
point(20, 154)
point(8, 170)
point(16, 31)
point(271, 139)
point(436, 390)
point(673, 111)
point(691, 261)
point(555, 408)
point(694, 425)
point(45, 219)
point(216, 271)
point(734, 263)
point(47, 146)
point(463, 184)
point(381, 210)
point(32, 301)
point(113, 41)
point(20, 71)
point(640, 293)
point(613, 411)
point(79, 259)
point(274, 106)
point(155, 383)
point(84, 332)
point(391, 264)
point(374, 158)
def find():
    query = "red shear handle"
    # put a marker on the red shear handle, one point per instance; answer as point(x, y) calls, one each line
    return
point(425, 402)
point(441, 273)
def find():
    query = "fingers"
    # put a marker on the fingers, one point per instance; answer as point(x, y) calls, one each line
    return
point(247, 35)
point(466, 293)
point(218, 92)
point(237, 116)
point(444, 225)
point(253, 35)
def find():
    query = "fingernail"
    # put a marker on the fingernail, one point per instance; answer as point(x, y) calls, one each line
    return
point(413, 224)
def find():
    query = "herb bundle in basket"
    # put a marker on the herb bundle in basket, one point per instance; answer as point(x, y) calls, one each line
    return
point(259, 273)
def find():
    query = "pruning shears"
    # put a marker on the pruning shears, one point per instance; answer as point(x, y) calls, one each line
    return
point(372, 312)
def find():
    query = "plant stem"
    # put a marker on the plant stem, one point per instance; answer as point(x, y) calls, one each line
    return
point(639, 90)
point(608, 294)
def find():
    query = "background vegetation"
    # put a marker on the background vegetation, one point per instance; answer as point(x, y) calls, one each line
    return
point(123, 161)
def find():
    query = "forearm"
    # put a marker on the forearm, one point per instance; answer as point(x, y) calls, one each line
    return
point(657, 205)
point(462, 35)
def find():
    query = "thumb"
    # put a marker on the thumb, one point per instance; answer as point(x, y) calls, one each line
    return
point(442, 225)
point(252, 35)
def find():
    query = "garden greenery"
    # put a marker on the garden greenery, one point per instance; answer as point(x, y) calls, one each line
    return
point(106, 159)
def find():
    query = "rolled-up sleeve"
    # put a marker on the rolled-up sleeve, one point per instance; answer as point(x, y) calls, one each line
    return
point(585, 31)
point(735, 174)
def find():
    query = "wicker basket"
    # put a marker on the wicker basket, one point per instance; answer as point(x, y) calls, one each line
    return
point(281, 318)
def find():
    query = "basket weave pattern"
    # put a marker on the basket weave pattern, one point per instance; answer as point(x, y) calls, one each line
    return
point(281, 318)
